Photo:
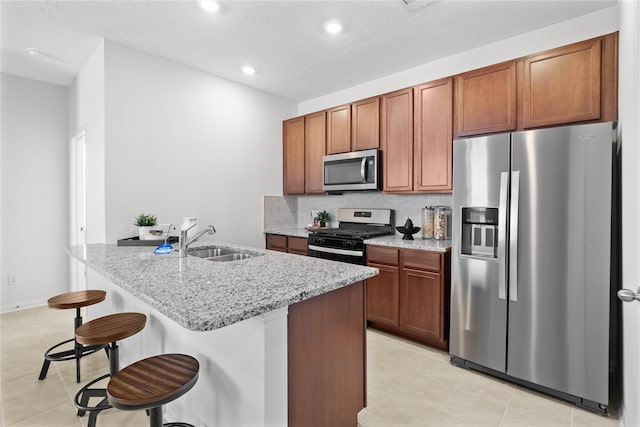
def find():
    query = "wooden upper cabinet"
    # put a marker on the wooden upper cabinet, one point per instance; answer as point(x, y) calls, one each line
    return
point(396, 140)
point(433, 139)
point(314, 143)
point(339, 129)
point(486, 100)
point(293, 156)
point(562, 85)
point(365, 124)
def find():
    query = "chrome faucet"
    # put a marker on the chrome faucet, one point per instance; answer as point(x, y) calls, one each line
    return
point(184, 241)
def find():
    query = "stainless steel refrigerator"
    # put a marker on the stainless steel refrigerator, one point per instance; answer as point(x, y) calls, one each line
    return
point(532, 258)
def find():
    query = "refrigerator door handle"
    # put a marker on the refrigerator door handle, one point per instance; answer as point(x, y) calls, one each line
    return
point(513, 236)
point(502, 236)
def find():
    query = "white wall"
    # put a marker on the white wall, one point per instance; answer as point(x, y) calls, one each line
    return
point(629, 127)
point(588, 26)
point(181, 142)
point(34, 193)
point(86, 113)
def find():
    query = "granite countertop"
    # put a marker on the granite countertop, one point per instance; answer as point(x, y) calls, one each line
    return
point(289, 231)
point(203, 295)
point(393, 240)
point(418, 243)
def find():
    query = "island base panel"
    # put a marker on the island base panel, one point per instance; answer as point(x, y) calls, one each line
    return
point(327, 359)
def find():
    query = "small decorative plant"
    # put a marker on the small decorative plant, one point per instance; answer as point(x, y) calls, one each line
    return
point(143, 220)
point(323, 217)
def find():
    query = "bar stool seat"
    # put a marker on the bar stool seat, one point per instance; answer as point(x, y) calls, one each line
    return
point(69, 300)
point(106, 330)
point(153, 382)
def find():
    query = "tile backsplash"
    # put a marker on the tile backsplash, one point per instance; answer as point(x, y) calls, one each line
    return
point(279, 212)
point(295, 211)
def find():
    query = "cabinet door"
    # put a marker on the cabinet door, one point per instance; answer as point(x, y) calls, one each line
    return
point(293, 156)
point(382, 295)
point(562, 85)
point(314, 143)
point(486, 100)
point(276, 242)
point(339, 130)
point(433, 143)
point(365, 124)
point(297, 245)
point(421, 304)
point(396, 127)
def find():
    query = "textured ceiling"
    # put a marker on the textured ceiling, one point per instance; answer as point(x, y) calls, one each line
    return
point(284, 40)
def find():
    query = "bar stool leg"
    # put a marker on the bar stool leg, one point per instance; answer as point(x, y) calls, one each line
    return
point(45, 369)
point(76, 345)
point(155, 417)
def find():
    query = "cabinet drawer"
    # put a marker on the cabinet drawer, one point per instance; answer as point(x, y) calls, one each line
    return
point(382, 255)
point(297, 245)
point(277, 242)
point(422, 260)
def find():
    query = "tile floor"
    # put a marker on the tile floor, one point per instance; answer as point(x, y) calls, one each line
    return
point(408, 385)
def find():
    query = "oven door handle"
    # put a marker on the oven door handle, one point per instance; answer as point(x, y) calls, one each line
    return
point(336, 251)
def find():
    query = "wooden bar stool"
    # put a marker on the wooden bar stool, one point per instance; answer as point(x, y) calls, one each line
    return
point(77, 300)
point(107, 331)
point(152, 382)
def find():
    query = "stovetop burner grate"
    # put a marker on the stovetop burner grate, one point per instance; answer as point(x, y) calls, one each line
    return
point(350, 233)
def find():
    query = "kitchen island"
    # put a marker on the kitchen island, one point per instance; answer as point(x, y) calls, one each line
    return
point(279, 337)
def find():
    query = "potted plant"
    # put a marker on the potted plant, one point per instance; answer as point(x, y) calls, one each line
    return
point(323, 217)
point(144, 224)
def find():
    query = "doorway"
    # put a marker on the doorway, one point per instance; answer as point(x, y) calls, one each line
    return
point(78, 207)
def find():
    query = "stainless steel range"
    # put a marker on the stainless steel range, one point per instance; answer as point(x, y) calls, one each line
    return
point(346, 243)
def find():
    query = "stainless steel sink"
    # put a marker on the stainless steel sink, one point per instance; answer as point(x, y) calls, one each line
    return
point(209, 251)
point(232, 257)
point(219, 254)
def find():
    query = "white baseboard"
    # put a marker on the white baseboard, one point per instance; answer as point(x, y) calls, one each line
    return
point(22, 306)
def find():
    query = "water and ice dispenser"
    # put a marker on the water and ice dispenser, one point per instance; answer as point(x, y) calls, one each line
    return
point(480, 232)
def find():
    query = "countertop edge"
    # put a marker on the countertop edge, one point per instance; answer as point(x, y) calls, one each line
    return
point(198, 323)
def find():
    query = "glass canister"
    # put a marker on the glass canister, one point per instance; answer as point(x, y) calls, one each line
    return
point(441, 223)
point(427, 222)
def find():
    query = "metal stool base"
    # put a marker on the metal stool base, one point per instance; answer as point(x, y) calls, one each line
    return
point(78, 352)
point(155, 419)
point(81, 400)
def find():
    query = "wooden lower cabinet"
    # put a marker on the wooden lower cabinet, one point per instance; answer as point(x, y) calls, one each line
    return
point(327, 359)
point(297, 245)
point(410, 296)
point(421, 311)
point(383, 292)
point(290, 244)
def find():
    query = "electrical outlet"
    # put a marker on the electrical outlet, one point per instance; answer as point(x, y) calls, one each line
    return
point(13, 279)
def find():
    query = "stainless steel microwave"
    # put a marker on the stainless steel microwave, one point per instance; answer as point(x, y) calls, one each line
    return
point(358, 170)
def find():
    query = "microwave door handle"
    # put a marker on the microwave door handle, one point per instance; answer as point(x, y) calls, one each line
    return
point(363, 169)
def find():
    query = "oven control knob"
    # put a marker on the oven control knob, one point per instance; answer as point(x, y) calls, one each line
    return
point(319, 240)
point(348, 244)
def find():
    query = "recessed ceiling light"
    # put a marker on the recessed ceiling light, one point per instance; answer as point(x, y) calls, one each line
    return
point(34, 53)
point(333, 27)
point(248, 70)
point(209, 6)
